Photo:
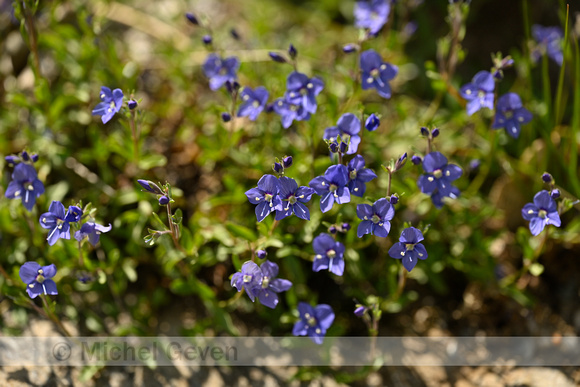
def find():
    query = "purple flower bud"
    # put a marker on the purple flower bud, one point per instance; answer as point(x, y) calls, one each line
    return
point(435, 132)
point(34, 158)
point(163, 200)
point(261, 254)
point(12, 160)
point(192, 19)
point(292, 51)
point(360, 310)
point(424, 131)
point(372, 123)
point(25, 156)
point(349, 48)
point(416, 160)
point(132, 104)
point(547, 178)
point(333, 147)
point(474, 164)
point(235, 86)
point(287, 161)
point(226, 117)
point(345, 227)
point(394, 199)
point(277, 167)
point(401, 162)
point(206, 39)
point(277, 57)
point(234, 34)
point(151, 187)
point(332, 229)
point(343, 147)
point(269, 108)
point(555, 194)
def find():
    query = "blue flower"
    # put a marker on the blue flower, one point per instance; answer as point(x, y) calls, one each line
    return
point(510, 114)
point(93, 231)
point(332, 187)
point(253, 102)
point(249, 278)
point(479, 92)
point(329, 254)
point(375, 218)
point(372, 122)
point(358, 176)
point(293, 198)
point(271, 285)
point(550, 42)
point(38, 278)
point(542, 212)
point(57, 221)
point(289, 112)
point(408, 248)
point(376, 73)
point(112, 101)
point(438, 178)
point(314, 322)
point(265, 196)
point(301, 90)
point(372, 14)
point(219, 71)
point(25, 185)
point(348, 127)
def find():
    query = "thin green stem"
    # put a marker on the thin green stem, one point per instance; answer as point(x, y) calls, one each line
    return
point(390, 178)
point(135, 136)
point(53, 316)
point(81, 259)
point(32, 38)
point(174, 230)
point(558, 105)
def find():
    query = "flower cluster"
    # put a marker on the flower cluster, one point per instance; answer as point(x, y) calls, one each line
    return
point(58, 222)
point(347, 128)
point(261, 282)
point(299, 101)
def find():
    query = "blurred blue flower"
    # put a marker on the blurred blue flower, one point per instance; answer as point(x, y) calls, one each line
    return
point(112, 101)
point(265, 196)
point(549, 41)
point(371, 14)
point(271, 285)
point(219, 71)
point(314, 322)
point(438, 178)
point(375, 218)
point(38, 278)
point(293, 199)
point(302, 91)
point(253, 102)
point(329, 254)
point(289, 112)
point(542, 212)
point(93, 231)
point(25, 185)
point(408, 248)
point(479, 92)
point(332, 187)
point(376, 73)
point(348, 128)
point(358, 176)
point(58, 222)
point(249, 278)
point(510, 114)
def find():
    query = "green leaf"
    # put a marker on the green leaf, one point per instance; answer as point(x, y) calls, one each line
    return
point(241, 231)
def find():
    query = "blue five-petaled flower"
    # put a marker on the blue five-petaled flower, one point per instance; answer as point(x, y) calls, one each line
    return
point(265, 196)
point(93, 231)
point(314, 322)
point(511, 114)
point(376, 74)
point(542, 212)
point(479, 92)
point(332, 187)
point(408, 249)
point(329, 254)
point(219, 71)
point(302, 91)
point(253, 102)
point(38, 279)
point(371, 14)
point(437, 181)
point(24, 185)
point(376, 218)
point(58, 222)
point(358, 176)
point(111, 103)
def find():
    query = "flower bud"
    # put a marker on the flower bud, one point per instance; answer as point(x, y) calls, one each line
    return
point(163, 200)
point(332, 229)
point(394, 199)
point(401, 162)
point(547, 178)
point(192, 19)
point(287, 161)
point(416, 160)
point(435, 132)
point(424, 131)
point(25, 156)
point(277, 57)
point(372, 123)
point(278, 168)
point(333, 147)
point(132, 104)
point(234, 34)
point(12, 160)
point(151, 187)
point(261, 254)
point(343, 147)
point(226, 117)
point(349, 48)
point(34, 158)
point(555, 194)
point(206, 39)
point(292, 51)
point(360, 310)
point(474, 164)
point(345, 227)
